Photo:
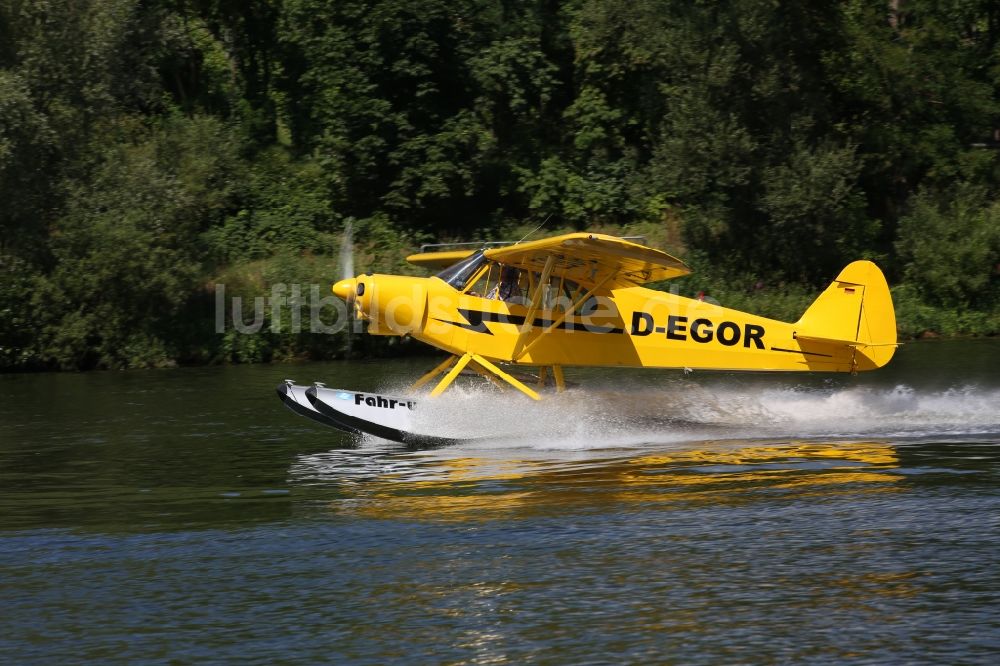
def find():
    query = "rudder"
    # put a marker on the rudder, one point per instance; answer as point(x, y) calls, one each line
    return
point(855, 310)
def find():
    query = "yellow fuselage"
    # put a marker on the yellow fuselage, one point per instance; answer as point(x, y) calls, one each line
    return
point(630, 327)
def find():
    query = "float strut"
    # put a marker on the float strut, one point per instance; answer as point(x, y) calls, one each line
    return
point(487, 367)
point(483, 372)
point(504, 376)
point(438, 369)
point(450, 377)
point(560, 380)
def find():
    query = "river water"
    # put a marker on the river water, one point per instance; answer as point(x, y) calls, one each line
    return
point(185, 515)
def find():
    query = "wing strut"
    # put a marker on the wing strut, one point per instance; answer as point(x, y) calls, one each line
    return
point(536, 300)
point(518, 355)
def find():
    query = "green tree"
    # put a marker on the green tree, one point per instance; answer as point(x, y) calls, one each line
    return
point(916, 90)
point(128, 264)
point(949, 247)
point(27, 146)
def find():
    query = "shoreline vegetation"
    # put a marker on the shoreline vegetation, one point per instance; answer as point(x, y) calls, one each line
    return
point(184, 146)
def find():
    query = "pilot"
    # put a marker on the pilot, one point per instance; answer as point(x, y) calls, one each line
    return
point(506, 289)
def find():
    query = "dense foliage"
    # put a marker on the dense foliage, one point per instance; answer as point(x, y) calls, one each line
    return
point(151, 149)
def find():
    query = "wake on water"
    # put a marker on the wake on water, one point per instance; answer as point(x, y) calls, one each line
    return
point(614, 418)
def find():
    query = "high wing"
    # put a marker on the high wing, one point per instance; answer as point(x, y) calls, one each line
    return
point(592, 259)
point(438, 260)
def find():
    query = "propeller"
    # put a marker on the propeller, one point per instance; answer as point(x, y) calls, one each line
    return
point(347, 250)
point(345, 288)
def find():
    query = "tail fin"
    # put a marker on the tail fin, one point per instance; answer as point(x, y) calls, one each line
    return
point(856, 311)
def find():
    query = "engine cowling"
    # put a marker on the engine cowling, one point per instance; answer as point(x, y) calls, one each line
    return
point(392, 304)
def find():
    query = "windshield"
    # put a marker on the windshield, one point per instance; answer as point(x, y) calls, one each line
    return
point(458, 275)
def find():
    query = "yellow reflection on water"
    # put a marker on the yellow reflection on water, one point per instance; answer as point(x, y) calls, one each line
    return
point(471, 488)
point(871, 453)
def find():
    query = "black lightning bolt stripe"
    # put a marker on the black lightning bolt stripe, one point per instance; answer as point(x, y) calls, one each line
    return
point(473, 322)
point(476, 320)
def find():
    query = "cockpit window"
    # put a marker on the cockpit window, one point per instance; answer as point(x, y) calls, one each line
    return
point(458, 275)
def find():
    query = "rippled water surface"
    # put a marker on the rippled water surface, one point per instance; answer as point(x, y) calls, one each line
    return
point(643, 517)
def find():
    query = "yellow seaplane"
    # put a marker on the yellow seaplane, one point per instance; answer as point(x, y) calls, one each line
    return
point(578, 300)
